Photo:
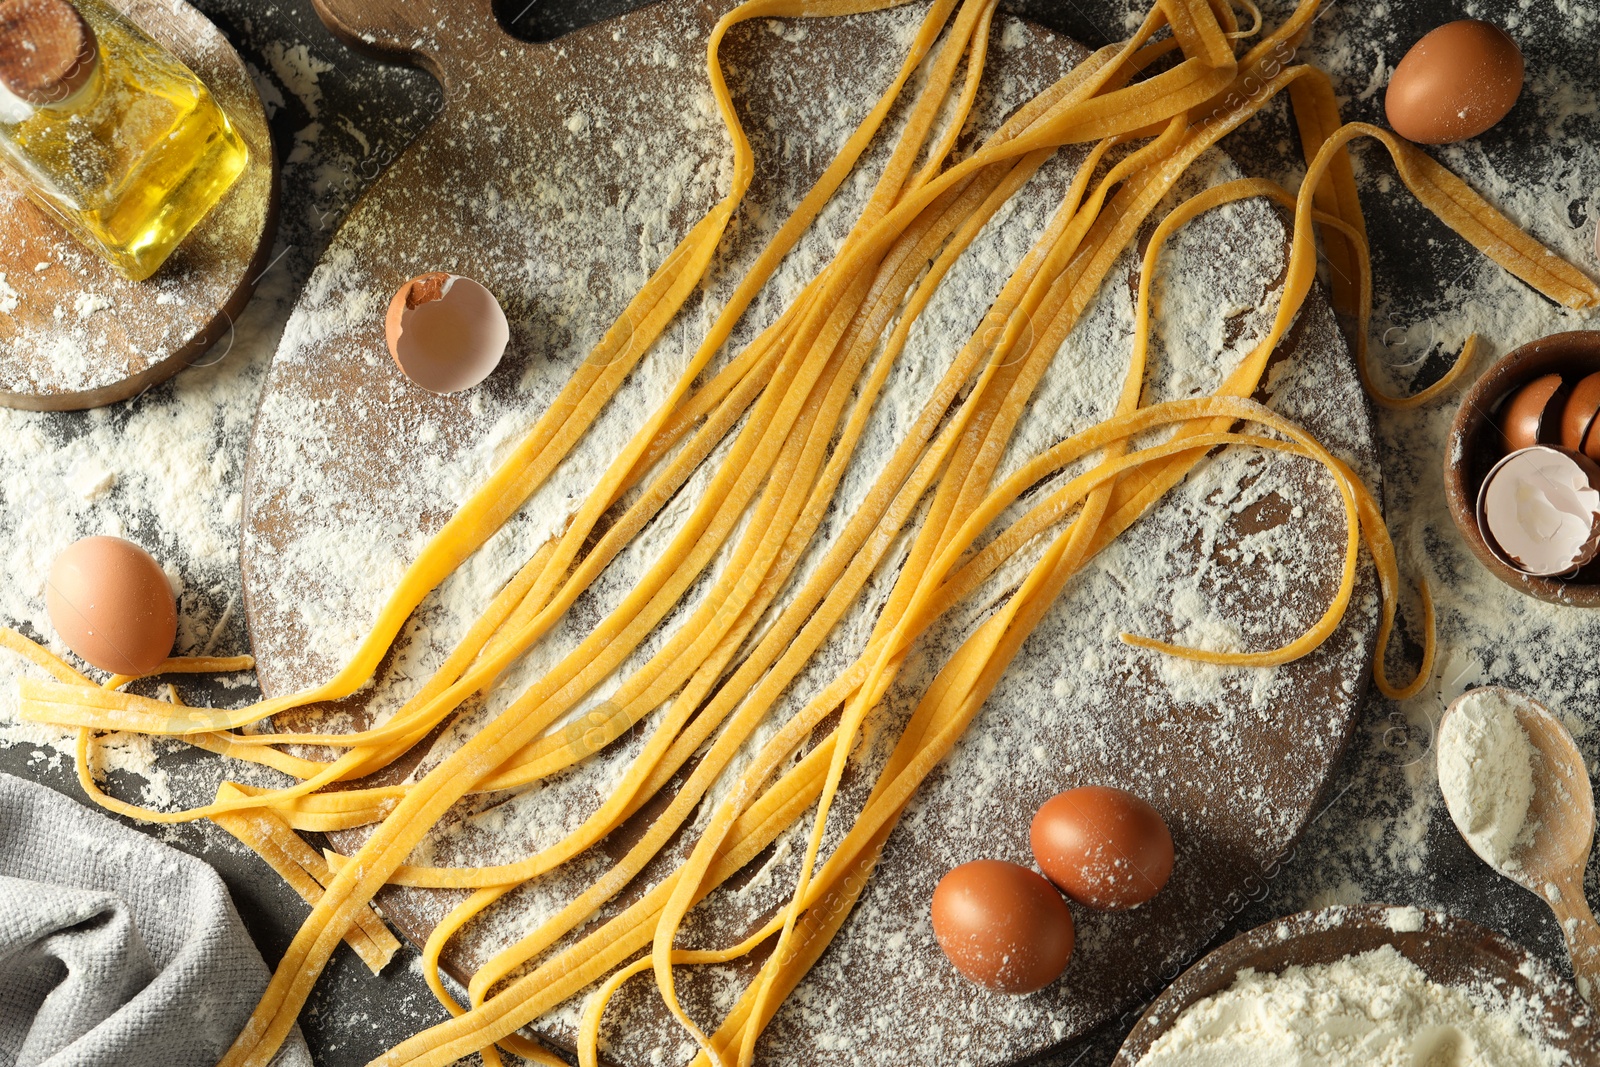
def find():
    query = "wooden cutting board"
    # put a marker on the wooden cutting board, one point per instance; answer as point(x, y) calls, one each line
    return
point(74, 333)
point(559, 174)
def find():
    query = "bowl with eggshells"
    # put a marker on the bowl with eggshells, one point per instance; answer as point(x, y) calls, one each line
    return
point(1522, 469)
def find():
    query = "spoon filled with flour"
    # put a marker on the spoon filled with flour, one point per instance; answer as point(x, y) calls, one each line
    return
point(1519, 792)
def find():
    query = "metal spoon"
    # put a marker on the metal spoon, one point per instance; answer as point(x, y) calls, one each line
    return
point(1552, 863)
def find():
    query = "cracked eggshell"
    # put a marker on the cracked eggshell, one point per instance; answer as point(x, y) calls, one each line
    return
point(1578, 417)
point(1533, 414)
point(1539, 510)
point(446, 333)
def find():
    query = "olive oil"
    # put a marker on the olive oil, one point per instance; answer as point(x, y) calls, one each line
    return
point(127, 147)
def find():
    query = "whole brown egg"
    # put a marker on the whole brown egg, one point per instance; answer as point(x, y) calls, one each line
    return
point(1002, 925)
point(111, 603)
point(1455, 83)
point(1104, 847)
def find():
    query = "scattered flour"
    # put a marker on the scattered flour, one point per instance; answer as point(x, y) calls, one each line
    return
point(298, 68)
point(1404, 920)
point(1377, 1009)
point(86, 304)
point(1486, 774)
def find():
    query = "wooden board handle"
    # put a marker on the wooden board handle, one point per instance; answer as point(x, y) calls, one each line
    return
point(448, 38)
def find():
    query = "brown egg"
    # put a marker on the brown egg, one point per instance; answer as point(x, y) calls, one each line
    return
point(111, 603)
point(446, 333)
point(1002, 926)
point(1104, 847)
point(1579, 411)
point(1591, 441)
point(1455, 83)
point(1532, 415)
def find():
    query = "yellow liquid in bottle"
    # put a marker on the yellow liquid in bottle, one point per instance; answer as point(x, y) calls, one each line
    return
point(133, 160)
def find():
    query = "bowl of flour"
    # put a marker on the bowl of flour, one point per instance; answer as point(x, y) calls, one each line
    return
point(1374, 985)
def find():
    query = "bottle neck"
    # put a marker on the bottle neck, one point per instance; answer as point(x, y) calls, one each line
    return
point(49, 54)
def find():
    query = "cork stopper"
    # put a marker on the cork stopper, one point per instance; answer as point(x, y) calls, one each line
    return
point(47, 50)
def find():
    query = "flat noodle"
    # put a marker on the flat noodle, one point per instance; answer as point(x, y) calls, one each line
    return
point(790, 410)
point(306, 872)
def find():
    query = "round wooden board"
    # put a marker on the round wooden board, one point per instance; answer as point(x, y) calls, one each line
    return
point(1449, 951)
point(559, 174)
point(75, 334)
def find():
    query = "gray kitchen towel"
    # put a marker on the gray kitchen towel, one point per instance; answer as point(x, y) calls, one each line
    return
point(114, 948)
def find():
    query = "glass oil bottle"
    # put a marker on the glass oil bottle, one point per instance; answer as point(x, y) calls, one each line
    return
point(108, 131)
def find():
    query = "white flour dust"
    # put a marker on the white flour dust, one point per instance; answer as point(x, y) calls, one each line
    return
point(1377, 1008)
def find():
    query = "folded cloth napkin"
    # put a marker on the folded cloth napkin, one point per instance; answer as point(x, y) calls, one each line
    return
point(114, 948)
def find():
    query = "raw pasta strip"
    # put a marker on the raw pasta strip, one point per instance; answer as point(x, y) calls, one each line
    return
point(42, 657)
point(305, 871)
point(187, 665)
point(1316, 116)
point(1463, 210)
point(1316, 112)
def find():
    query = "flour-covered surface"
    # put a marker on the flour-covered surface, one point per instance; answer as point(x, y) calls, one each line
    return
point(166, 467)
point(1389, 838)
point(586, 197)
point(73, 332)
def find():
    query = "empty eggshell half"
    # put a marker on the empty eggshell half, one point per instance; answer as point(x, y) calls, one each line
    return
point(1539, 510)
point(446, 333)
